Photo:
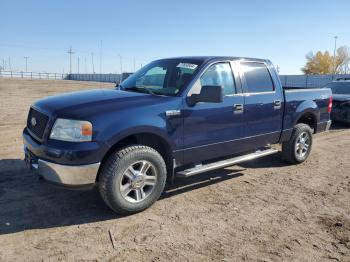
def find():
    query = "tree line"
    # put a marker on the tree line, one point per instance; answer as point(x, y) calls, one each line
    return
point(325, 63)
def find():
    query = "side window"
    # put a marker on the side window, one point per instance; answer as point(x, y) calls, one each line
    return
point(219, 75)
point(216, 75)
point(257, 77)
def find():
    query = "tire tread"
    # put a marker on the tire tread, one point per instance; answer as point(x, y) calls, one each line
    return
point(288, 146)
point(107, 172)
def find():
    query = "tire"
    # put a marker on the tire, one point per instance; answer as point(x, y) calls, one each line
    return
point(125, 170)
point(294, 153)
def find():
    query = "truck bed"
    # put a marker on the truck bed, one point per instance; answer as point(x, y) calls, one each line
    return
point(296, 100)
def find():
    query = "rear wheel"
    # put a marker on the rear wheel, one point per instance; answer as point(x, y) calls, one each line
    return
point(298, 148)
point(132, 179)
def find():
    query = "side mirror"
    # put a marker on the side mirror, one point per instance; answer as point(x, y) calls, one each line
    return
point(209, 94)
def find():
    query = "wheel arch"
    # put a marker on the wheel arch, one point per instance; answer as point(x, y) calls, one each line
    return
point(309, 118)
point(307, 113)
point(152, 139)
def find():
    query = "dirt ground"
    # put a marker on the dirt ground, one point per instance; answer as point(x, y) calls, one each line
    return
point(264, 210)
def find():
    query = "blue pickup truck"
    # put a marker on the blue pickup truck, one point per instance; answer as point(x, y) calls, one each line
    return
point(174, 117)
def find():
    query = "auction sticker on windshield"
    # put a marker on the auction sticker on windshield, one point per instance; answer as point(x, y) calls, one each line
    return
point(187, 65)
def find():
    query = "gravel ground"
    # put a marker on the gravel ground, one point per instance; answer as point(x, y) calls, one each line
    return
point(263, 210)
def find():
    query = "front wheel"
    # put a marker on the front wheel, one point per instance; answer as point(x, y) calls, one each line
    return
point(132, 179)
point(298, 148)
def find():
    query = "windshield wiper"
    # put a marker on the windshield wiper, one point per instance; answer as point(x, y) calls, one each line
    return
point(140, 89)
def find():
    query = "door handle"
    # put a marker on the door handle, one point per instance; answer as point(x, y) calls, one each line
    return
point(238, 108)
point(277, 104)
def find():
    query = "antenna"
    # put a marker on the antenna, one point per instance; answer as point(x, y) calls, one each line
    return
point(70, 52)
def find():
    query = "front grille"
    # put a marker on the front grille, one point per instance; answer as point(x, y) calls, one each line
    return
point(37, 122)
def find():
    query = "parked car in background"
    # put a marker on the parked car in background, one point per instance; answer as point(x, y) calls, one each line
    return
point(175, 117)
point(341, 100)
point(123, 77)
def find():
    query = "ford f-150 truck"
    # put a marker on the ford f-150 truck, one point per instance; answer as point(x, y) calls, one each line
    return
point(174, 117)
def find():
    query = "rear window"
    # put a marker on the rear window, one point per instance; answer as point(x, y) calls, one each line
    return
point(257, 77)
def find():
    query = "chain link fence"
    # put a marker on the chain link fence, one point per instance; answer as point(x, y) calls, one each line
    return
point(112, 78)
point(33, 75)
point(309, 81)
point(291, 81)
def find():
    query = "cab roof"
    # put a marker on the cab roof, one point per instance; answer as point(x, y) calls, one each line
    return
point(213, 58)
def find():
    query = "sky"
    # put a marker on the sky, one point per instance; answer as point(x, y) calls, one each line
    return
point(124, 35)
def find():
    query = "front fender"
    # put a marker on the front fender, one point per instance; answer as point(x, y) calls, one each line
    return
point(141, 129)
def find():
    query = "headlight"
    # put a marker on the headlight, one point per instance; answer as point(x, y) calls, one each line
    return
point(71, 130)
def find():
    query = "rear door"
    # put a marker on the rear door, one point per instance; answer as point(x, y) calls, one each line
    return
point(263, 104)
point(213, 129)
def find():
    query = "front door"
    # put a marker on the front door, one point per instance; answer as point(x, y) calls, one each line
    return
point(214, 129)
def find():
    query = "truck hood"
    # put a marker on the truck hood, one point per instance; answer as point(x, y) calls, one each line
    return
point(341, 97)
point(92, 102)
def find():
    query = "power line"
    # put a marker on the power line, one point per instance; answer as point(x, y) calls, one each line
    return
point(40, 47)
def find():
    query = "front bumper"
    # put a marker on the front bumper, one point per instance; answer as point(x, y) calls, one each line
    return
point(62, 174)
point(62, 166)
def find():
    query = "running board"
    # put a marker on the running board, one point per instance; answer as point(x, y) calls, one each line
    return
point(225, 163)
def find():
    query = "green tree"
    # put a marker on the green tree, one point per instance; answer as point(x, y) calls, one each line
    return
point(324, 63)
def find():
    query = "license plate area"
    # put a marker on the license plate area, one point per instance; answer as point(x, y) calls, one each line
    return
point(30, 160)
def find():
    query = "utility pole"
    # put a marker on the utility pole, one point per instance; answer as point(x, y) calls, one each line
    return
point(85, 65)
point(92, 61)
point(70, 52)
point(78, 64)
point(26, 58)
point(335, 50)
point(134, 65)
point(101, 57)
point(335, 45)
point(121, 64)
point(9, 62)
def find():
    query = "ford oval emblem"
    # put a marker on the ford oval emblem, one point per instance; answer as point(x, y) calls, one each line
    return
point(33, 121)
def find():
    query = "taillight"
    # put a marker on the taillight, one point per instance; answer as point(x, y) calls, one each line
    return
point(330, 104)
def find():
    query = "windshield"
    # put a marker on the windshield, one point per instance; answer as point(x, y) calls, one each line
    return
point(340, 87)
point(162, 77)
